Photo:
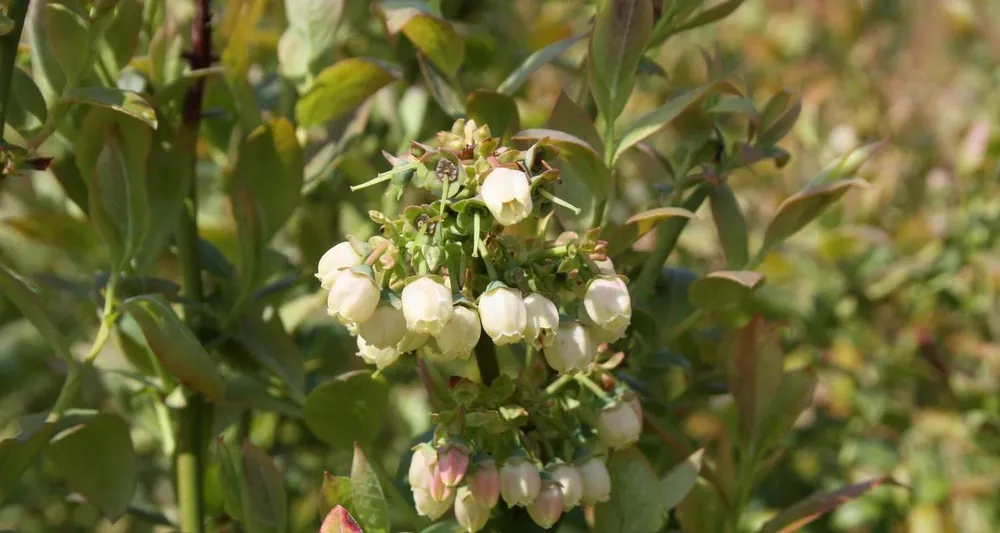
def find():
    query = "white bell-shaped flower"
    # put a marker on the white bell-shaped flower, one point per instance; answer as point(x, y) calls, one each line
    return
point(422, 464)
point(460, 335)
point(411, 341)
point(507, 195)
point(373, 355)
point(429, 507)
point(353, 296)
point(503, 314)
point(519, 481)
point(596, 481)
point(385, 328)
point(573, 349)
point(618, 426)
point(469, 513)
point(543, 319)
point(337, 259)
point(426, 306)
point(568, 477)
point(608, 305)
point(548, 505)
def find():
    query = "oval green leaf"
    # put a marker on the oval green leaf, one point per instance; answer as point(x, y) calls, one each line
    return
point(30, 305)
point(578, 154)
point(336, 492)
point(660, 117)
point(635, 505)
point(434, 37)
point(621, 32)
point(725, 288)
point(621, 238)
point(535, 61)
point(497, 110)
point(265, 504)
point(68, 36)
point(730, 224)
point(17, 454)
point(802, 208)
point(678, 482)
point(27, 111)
point(349, 408)
point(341, 88)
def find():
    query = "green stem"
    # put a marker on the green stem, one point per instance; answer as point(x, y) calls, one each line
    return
point(601, 205)
point(669, 232)
point(594, 387)
point(8, 53)
point(558, 384)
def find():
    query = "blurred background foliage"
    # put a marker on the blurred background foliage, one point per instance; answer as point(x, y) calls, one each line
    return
point(892, 296)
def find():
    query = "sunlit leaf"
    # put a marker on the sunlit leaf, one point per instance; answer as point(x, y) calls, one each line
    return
point(710, 15)
point(724, 288)
point(434, 37)
point(336, 492)
point(619, 38)
point(69, 37)
point(802, 208)
point(347, 409)
point(126, 102)
point(535, 61)
point(230, 478)
point(675, 485)
point(660, 117)
point(755, 372)
point(636, 505)
point(586, 162)
point(811, 508)
point(265, 504)
point(341, 88)
point(621, 238)
point(446, 95)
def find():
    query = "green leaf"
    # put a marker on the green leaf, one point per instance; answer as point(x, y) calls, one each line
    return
point(349, 408)
point(126, 102)
point(660, 117)
point(231, 479)
point(701, 511)
point(724, 289)
point(567, 116)
point(635, 505)
point(97, 460)
point(621, 32)
point(535, 61)
point(339, 520)
point(710, 15)
point(341, 88)
point(122, 36)
point(730, 224)
point(777, 123)
point(369, 500)
point(755, 372)
point(30, 305)
point(167, 185)
point(17, 454)
point(446, 95)
point(315, 23)
point(6, 25)
point(586, 162)
point(846, 165)
point(270, 344)
point(796, 517)
point(789, 400)
point(265, 504)
point(69, 38)
point(247, 392)
point(336, 492)
point(433, 37)
point(621, 238)
point(175, 346)
point(802, 208)
point(26, 112)
point(675, 485)
point(497, 110)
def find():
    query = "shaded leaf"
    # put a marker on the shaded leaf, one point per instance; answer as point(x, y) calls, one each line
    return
point(342, 87)
point(567, 116)
point(701, 511)
point(248, 393)
point(168, 181)
point(621, 32)
point(231, 479)
point(175, 345)
point(265, 505)
point(497, 110)
point(621, 238)
point(582, 157)
point(635, 505)
point(434, 37)
point(710, 15)
point(789, 400)
point(811, 508)
point(348, 408)
point(660, 117)
point(97, 460)
point(315, 23)
point(675, 485)
point(441, 89)
point(69, 38)
point(724, 288)
point(755, 372)
point(17, 454)
point(339, 520)
point(778, 123)
point(730, 224)
point(31, 307)
point(126, 102)
point(369, 500)
point(26, 111)
point(535, 61)
point(802, 208)
point(272, 346)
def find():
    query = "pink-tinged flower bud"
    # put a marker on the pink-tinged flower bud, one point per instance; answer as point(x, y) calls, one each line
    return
point(453, 461)
point(596, 481)
point(618, 426)
point(543, 319)
point(469, 513)
point(335, 261)
point(503, 314)
point(608, 306)
point(484, 483)
point(519, 481)
point(422, 466)
point(426, 306)
point(429, 507)
point(571, 483)
point(547, 507)
point(507, 194)
point(437, 489)
point(353, 296)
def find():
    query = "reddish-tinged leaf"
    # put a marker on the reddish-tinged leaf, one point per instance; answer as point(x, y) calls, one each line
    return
point(725, 288)
point(811, 508)
point(756, 370)
point(338, 520)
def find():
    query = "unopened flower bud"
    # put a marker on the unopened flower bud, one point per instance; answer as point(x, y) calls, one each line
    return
point(453, 461)
point(426, 306)
point(618, 426)
point(353, 297)
point(573, 348)
point(569, 479)
point(429, 507)
point(547, 507)
point(385, 328)
point(596, 481)
point(422, 466)
point(543, 319)
point(335, 261)
point(484, 482)
point(380, 357)
point(503, 314)
point(461, 334)
point(507, 195)
point(519, 481)
point(469, 513)
point(608, 305)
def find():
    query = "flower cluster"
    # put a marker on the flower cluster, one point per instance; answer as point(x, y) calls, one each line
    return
point(476, 260)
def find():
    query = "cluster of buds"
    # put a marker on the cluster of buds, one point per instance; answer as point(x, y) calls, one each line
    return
point(476, 260)
point(448, 478)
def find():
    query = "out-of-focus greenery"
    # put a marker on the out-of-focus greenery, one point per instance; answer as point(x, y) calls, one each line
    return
point(893, 296)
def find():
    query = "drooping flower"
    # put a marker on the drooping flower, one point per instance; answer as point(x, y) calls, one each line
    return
point(426, 306)
point(336, 260)
point(596, 481)
point(547, 507)
point(380, 357)
point(437, 489)
point(484, 482)
point(507, 195)
point(429, 507)
point(422, 466)
point(503, 314)
point(543, 319)
point(453, 461)
point(608, 306)
point(569, 479)
point(353, 296)
point(385, 328)
point(411, 341)
point(519, 481)
point(469, 512)
point(573, 348)
point(618, 426)
point(461, 334)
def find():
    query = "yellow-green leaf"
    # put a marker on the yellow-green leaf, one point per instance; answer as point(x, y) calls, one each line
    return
point(497, 110)
point(126, 102)
point(342, 87)
point(621, 238)
point(434, 37)
point(797, 516)
point(621, 32)
point(725, 288)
